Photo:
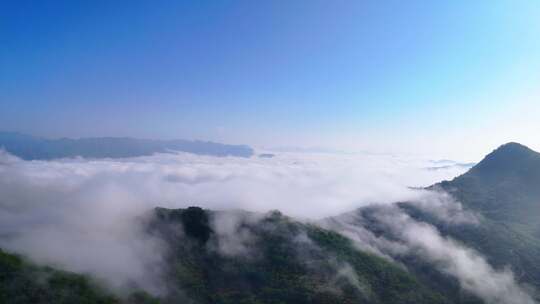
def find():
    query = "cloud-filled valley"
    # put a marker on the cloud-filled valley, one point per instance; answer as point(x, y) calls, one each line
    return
point(88, 215)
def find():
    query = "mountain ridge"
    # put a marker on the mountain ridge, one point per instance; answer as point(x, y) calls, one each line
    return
point(30, 147)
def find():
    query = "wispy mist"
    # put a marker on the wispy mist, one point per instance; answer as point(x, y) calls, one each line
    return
point(408, 237)
point(87, 215)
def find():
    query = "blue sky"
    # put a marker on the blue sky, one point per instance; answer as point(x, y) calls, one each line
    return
point(449, 78)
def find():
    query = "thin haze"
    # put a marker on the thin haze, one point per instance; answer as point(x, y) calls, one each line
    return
point(428, 77)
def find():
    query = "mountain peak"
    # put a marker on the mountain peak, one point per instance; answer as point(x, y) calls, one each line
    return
point(512, 147)
point(510, 152)
point(510, 158)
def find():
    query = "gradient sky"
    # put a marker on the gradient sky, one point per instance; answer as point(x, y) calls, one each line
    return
point(447, 78)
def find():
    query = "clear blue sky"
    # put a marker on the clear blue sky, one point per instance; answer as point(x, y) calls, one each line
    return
point(445, 77)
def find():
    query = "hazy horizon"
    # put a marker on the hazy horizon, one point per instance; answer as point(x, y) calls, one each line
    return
point(295, 149)
point(452, 80)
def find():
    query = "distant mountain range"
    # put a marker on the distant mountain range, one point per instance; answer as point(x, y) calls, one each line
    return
point(31, 148)
point(370, 255)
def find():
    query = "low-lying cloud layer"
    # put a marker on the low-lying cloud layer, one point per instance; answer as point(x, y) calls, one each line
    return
point(304, 185)
point(85, 215)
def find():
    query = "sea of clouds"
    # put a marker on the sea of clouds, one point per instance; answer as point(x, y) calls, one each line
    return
point(86, 215)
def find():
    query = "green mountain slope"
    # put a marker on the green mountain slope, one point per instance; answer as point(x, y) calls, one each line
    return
point(283, 261)
point(22, 282)
point(504, 188)
point(280, 261)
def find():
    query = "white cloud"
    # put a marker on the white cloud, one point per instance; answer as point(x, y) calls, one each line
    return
point(84, 215)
